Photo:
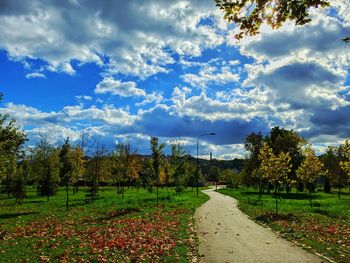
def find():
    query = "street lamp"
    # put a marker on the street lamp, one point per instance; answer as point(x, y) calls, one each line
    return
point(204, 134)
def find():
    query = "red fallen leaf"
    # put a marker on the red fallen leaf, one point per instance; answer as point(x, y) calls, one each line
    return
point(331, 229)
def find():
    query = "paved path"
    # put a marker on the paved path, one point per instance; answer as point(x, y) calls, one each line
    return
point(228, 235)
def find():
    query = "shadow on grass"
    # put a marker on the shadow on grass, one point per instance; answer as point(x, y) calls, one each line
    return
point(34, 201)
point(292, 196)
point(8, 216)
point(270, 217)
point(112, 214)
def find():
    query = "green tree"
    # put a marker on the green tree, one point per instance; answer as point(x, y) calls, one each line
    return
point(332, 160)
point(178, 159)
point(345, 165)
point(96, 168)
point(18, 188)
point(274, 167)
point(47, 167)
point(157, 154)
point(72, 166)
point(12, 140)
point(249, 15)
point(310, 169)
point(66, 169)
point(252, 143)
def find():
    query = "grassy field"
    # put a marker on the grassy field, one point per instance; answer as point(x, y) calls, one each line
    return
point(111, 229)
point(324, 228)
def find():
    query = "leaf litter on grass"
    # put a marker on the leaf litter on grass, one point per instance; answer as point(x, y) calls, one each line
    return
point(117, 236)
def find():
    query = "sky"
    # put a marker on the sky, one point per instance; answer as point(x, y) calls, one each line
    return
point(123, 71)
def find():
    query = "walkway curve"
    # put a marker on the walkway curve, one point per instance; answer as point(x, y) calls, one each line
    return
point(228, 235)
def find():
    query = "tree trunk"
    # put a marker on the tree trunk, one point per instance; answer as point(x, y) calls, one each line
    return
point(339, 185)
point(310, 197)
point(157, 193)
point(276, 197)
point(67, 196)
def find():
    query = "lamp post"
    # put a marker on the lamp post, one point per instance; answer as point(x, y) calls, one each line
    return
point(204, 134)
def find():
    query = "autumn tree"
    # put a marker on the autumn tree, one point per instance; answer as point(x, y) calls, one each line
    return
point(249, 15)
point(274, 167)
point(310, 169)
point(78, 161)
point(127, 165)
point(287, 141)
point(166, 177)
point(156, 161)
point(46, 167)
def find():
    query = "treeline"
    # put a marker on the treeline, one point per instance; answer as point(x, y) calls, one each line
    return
point(47, 167)
point(282, 160)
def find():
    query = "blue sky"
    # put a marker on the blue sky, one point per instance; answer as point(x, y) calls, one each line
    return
point(127, 70)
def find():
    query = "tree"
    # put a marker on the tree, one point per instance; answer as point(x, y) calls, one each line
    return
point(18, 188)
point(274, 167)
point(331, 162)
point(72, 166)
point(78, 161)
point(126, 166)
point(345, 165)
point(287, 141)
point(95, 171)
point(249, 15)
point(310, 169)
point(252, 143)
point(46, 167)
point(66, 169)
point(12, 140)
point(157, 154)
point(178, 159)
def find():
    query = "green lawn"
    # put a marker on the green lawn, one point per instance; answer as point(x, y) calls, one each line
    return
point(111, 229)
point(324, 228)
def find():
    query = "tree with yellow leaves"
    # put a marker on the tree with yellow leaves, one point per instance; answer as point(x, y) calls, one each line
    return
point(78, 162)
point(127, 166)
point(310, 169)
point(274, 168)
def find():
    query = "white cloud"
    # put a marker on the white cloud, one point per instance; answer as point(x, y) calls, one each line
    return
point(209, 74)
point(154, 97)
point(35, 75)
point(138, 39)
point(117, 87)
point(83, 97)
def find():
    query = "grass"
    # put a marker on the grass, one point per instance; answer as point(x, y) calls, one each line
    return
point(324, 228)
point(111, 229)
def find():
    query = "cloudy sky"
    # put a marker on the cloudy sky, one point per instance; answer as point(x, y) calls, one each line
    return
point(128, 70)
